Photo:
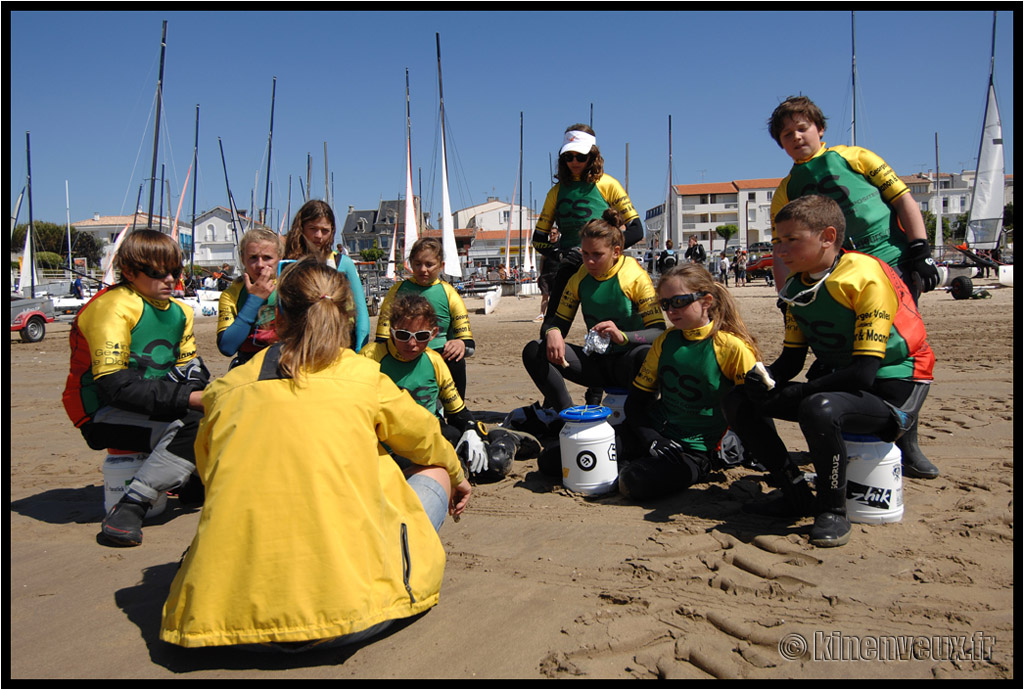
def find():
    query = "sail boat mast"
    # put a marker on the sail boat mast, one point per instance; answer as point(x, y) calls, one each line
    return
point(270, 150)
point(195, 166)
point(452, 262)
point(156, 131)
point(853, 43)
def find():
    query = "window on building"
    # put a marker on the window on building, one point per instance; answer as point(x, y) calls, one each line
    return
point(211, 232)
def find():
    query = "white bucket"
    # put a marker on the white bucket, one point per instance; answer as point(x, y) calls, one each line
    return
point(614, 400)
point(587, 443)
point(874, 480)
point(118, 471)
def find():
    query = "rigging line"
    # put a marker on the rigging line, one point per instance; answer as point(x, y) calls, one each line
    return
point(458, 165)
point(138, 154)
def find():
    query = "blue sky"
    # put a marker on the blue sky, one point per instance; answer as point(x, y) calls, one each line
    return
point(83, 84)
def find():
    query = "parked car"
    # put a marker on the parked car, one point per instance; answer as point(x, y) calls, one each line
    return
point(29, 317)
point(760, 248)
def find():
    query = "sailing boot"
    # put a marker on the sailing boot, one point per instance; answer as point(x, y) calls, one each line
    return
point(831, 526)
point(915, 464)
point(123, 524)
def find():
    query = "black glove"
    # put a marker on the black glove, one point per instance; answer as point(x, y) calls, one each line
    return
point(573, 257)
point(194, 374)
point(918, 259)
point(667, 450)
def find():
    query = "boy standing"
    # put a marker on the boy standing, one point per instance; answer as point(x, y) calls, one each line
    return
point(882, 218)
point(136, 381)
point(860, 320)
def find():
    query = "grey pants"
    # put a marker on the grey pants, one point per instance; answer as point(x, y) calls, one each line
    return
point(170, 444)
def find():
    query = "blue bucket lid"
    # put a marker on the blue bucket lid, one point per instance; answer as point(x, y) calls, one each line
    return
point(585, 413)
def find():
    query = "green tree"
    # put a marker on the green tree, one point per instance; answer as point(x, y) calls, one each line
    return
point(726, 232)
point(50, 237)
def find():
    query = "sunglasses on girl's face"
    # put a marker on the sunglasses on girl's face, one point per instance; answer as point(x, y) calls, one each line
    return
point(681, 301)
point(157, 274)
point(578, 157)
point(403, 335)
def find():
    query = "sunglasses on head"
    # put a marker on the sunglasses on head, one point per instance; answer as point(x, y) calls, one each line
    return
point(681, 301)
point(402, 335)
point(578, 157)
point(157, 274)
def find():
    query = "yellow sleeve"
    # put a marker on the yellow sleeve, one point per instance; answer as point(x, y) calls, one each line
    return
point(866, 288)
point(459, 314)
point(187, 347)
point(877, 171)
point(793, 337)
point(374, 350)
point(569, 302)
point(547, 213)
point(447, 393)
point(641, 291)
point(616, 196)
point(227, 307)
point(735, 357)
point(107, 327)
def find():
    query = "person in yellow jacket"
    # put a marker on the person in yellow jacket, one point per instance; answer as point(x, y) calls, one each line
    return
point(304, 541)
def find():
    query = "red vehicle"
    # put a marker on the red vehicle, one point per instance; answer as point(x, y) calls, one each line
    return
point(761, 268)
point(30, 316)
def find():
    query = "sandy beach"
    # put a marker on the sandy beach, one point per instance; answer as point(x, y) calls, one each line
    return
point(544, 583)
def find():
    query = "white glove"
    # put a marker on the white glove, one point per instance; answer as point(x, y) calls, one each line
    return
point(475, 451)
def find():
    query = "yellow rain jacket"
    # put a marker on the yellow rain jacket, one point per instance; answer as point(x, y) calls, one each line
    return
point(309, 530)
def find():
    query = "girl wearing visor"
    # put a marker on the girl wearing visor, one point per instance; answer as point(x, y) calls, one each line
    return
point(582, 194)
point(674, 419)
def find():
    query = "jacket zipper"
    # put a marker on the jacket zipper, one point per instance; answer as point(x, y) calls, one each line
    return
point(406, 562)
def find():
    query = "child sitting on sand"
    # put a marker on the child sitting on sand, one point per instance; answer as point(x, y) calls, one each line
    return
point(136, 381)
point(674, 422)
point(859, 319)
point(408, 361)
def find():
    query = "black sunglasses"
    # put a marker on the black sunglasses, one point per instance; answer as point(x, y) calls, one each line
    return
point(157, 274)
point(578, 157)
point(681, 301)
point(402, 335)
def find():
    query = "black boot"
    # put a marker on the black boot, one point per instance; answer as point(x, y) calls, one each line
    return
point(123, 524)
point(831, 529)
point(915, 464)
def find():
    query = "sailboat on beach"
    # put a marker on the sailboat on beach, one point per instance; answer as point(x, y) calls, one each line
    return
point(985, 219)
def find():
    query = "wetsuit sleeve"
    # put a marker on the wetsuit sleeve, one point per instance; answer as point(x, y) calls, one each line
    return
point(232, 336)
point(446, 390)
point(634, 232)
point(347, 267)
point(645, 298)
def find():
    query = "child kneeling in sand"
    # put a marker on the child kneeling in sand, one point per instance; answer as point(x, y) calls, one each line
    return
point(858, 317)
point(413, 366)
point(674, 422)
point(136, 381)
point(309, 539)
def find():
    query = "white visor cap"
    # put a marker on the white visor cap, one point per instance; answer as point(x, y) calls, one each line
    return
point(578, 142)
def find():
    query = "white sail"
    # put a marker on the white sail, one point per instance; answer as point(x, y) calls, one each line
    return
point(389, 272)
point(29, 276)
point(411, 231)
point(452, 265)
point(108, 274)
point(986, 216)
